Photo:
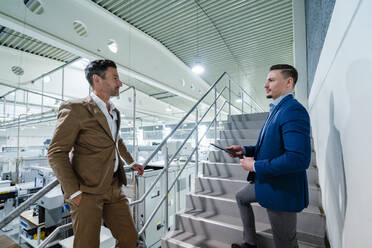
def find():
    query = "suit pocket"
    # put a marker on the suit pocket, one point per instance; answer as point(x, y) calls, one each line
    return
point(90, 171)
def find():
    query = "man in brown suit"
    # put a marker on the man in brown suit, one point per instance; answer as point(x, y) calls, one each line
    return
point(85, 155)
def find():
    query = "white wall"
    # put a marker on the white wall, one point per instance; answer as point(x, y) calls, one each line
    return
point(341, 115)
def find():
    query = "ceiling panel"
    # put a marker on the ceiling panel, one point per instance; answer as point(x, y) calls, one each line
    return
point(237, 36)
point(12, 39)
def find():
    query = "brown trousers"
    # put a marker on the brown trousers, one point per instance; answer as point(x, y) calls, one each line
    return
point(113, 208)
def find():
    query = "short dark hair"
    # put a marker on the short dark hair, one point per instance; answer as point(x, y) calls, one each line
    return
point(98, 67)
point(287, 71)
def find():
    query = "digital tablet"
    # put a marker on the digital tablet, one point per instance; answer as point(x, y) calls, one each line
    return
point(228, 151)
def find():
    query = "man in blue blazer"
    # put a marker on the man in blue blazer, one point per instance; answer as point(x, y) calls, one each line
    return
point(277, 163)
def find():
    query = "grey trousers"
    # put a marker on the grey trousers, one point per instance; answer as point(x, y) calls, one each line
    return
point(283, 224)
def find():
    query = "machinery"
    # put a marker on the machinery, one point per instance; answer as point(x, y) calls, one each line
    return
point(176, 199)
point(49, 212)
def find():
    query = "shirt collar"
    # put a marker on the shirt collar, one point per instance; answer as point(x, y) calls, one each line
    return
point(101, 104)
point(277, 101)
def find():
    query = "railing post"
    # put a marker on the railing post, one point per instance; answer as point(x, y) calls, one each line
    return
point(42, 97)
point(4, 109)
point(63, 84)
point(229, 96)
point(196, 144)
point(242, 103)
point(18, 159)
point(215, 114)
point(166, 166)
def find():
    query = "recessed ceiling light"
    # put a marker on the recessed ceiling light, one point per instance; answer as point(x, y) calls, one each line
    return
point(112, 45)
point(168, 109)
point(198, 68)
point(238, 100)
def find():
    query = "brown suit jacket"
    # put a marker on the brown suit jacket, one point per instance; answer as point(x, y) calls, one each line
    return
point(82, 129)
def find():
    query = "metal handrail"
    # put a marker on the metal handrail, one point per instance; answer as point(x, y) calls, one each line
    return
point(243, 90)
point(176, 178)
point(54, 234)
point(69, 225)
point(163, 170)
point(17, 211)
point(46, 189)
point(134, 137)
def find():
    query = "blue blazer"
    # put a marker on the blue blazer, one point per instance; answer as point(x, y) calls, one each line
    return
point(282, 154)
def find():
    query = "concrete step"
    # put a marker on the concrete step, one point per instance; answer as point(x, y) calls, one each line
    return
point(235, 171)
point(247, 134)
point(244, 125)
point(310, 220)
point(220, 156)
point(206, 230)
point(242, 142)
point(227, 188)
point(249, 117)
point(240, 134)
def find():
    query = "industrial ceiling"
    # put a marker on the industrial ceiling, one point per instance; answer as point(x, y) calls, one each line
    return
point(241, 37)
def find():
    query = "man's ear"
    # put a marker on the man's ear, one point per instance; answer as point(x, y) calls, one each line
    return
point(96, 79)
point(290, 82)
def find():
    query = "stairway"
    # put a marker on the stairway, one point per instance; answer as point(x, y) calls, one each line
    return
point(212, 218)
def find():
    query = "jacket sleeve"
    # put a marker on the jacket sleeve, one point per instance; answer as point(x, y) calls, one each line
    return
point(124, 152)
point(295, 131)
point(248, 151)
point(65, 134)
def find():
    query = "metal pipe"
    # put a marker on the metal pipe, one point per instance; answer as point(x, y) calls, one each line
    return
point(170, 161)
point(30, 91)
point(14, 104)
point(181, 122)
point(174, 182)
point(63, 83)
point(134, 124)
point(56, 69)
point(4, 108)
point(27, 105)
point(242, 103)
point(42, 96)
point(26, 204)
point(18, 159)
point(229, 96)
point(166, 166)
point(196, 144)
point(215, 115)
point(230, 79)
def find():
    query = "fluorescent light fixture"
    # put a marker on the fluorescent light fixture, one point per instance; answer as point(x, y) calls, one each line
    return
point(198, 68)
point(238, 100)
point(168, 109)
point(81, 63)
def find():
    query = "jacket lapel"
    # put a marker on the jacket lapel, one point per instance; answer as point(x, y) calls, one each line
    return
point(275, 110)
point(97, 113)
point(117, 123)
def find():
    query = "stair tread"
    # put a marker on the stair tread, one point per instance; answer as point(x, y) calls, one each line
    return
point(190, 240)
point(310, 209)
point(216, 192)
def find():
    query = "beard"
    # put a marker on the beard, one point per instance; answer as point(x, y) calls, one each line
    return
point(115, 92)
